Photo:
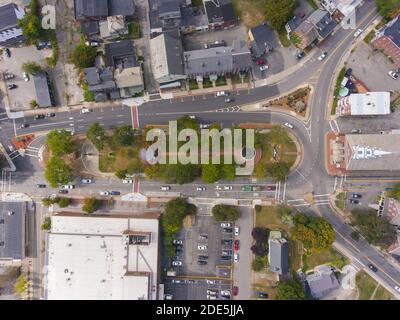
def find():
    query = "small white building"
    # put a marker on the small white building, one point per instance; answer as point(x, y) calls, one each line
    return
point(107, 257)
point(364, 104)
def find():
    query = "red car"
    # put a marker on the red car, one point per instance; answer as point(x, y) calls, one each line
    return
point(270, 188)
point(235, 291)
point(236, 245)
point(260, 62)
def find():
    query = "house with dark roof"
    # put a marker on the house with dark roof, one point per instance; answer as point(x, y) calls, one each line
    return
point(321, 282)
point(10, 32)
point(262, 40)
point(44, 93)
point(220, 14)
point(101, 9)
point(292, 24)
point(166, 52)
point(12, 233)
point(120, 54)
point(388, 40)
point(165, 15)
point(101, 83)
point(278, 253)
point(217, 61)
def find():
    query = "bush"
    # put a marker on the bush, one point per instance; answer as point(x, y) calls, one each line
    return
point(257, 264)
point(64, 202)
point(260, 234)
point(46, 225)
point(91, 205)
point(121, 174)
point(258, 208)
point(258, 249)
point(222, 212)
point(83, 56)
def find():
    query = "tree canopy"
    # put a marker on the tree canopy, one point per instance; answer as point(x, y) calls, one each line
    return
point(223, 212)
point(59, 142)
point(57, 172)
point(376, 230)
point(290, 290)
point(175, 211)
point(278, 170)
point(388, 8)
point(31, 67)
point(84, 56)
point(46, 225)
point(30, 23)
point(278, 12)
point(96, 135)
point(91, 205)
point(316, 233)
point(123, 136)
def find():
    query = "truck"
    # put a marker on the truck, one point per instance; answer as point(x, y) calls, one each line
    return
point(251, 188)
point(171, 273)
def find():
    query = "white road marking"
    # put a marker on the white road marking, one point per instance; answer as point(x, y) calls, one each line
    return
point(335, 185)
point(296, 200)
point(50, 124)
point(15, 128)
point(322, 195)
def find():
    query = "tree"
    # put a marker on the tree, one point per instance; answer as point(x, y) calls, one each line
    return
point(278, 170)
point(278, 12)
point(31, 27)
point(175, 211)
point(186, 122)
point(96, 135)
point(296, 40)
point(34, 104)
point(258, 249)
point(228, 171)
point(47, 202)
point(388, 8)
point(285, 214)
point(123, 136)
point(259, 234)
point(316, 233)
point(377, 230)
point(355, 235)
point(64, 202)
point(83, 56)
point(57, 172)
point(91, 205)
point(223, 212)
point(257, 264)
point(211, 173)
point(181, 174)
point(290, 290)
point(278, 135)
point(31, 67)
point(59, 142)
point(21, 285)
point(46, 225)
point(121, 174)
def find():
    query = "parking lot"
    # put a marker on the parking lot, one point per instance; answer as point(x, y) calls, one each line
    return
point(21, 97)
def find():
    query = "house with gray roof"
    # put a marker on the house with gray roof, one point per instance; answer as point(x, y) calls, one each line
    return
point(220, 14)
point(166, 52)
point(44, 93)
point(262, 40)
point(321, 282)
point(12, 233)
point(217, 61)
point(101, 9)
point(278, 253)
point(120, 54)
point(10, 32)
point(165, 15)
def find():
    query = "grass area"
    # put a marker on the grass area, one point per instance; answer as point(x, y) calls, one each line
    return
point(369, 36)
point(197, 3)
point(87, 94)
point(221, 81)
point(237, 79)
point(337, 89)
point(268, 218)
point(366, 287)
point(193, 85)
point(133, 31)
point(207, 83)
point(331, 257)
point(251, 12)
point(340, 201)
point(112, 159)
point(283, 38)
point(312, 4)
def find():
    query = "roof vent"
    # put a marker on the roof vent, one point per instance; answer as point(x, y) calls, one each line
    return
point(1, 221)
point(1, 243)
point(69, 244)
point(65, 270)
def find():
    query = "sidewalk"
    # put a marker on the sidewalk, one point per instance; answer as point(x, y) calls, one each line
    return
point(90, 159)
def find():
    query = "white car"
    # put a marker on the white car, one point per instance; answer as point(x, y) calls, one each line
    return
point(25, 76)
point(212, 292)
point(177, 241)
point(104, 193)
point(165, 188)
point(86, 181)
point(237, 230)
point(204, 126)
point(85, 110)
point(357, 33)
point(228, 187)
point(225, 293)
point(202, 247)
point(393, 75)
point(264, 67)
point(127, 181)
point(176, 263)
point(192, 117)
point(68, 187)
point(168, 296)
point(235, 257)
point(221, 94)
point(210, 281)
point(92, 43)
point(201, 188)
point(397, 288)
point(211, 297)
point(288, 125)
point(225, 225)
point(218, 188)
point(322, 56)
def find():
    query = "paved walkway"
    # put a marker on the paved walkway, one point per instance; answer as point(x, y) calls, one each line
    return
point(90, 159)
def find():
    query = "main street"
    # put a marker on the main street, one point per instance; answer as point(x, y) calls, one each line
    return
point(311, 174)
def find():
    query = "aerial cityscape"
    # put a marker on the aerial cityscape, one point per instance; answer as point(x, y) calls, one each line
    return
point(200, 150)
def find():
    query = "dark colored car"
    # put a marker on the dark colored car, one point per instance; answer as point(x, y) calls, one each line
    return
point(50, 115)
point(63, 191)
point(263, 295)
point(348, 72)
point(115, 193)
point(227, 230)
point(202, 262)
point(41, 186)
point(179, 246)
point(39, 116)
point(202, 257)
point(178, 251)
point(372, 267)
point(354, 201)
point(356, 196)
point(12, 86)
point(226, 258)
point(271, 188)
point(24, 125)
point(8, 53)
point(175, 258)
point(300, 55)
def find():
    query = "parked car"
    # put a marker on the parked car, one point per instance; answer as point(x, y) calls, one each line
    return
point(356, 195)
point(41, 186)
point(179, 246)
point(397, 288)
point(212, 292)
point(202, 247)
point(237, 230)
point(104, 193)
point(43, 45)
point(25, 76)
point(260, 62)
point(210, 281)
point(264, 67)
point(393, 75)
point(209, 297)
point(176, 281)
point(204, 125)
point(178, 251)
point(354, 201)
point(201, 188)
point(86, 181)
point(236, 257)
point(227, 230)
point(165, 188)
point(8, 76)
point(218, 188)
point(176, 263)
point(288, 125)
point(263, 295)
point(228, 188)
point(348, 72)
point(300, 55)
point(63, 191)
point(68, 187)
point(92, 43)
point(202, 257)
point(229, 100)
point(24, 125)
point(221, 94)
point(202, 262)
point(39, 116)
point(357, 33)
point(225, 293)
point(177, 241)
point(356, 131)
point(236, 245)
point(175, 258)
point(127, 181)
point(226, 252)
point(235, 291)
point(323, 56)
point(227, 242)
point(12, 86)
point(168, 296)
point(7, 52)
point(271, 188)
point(115, 193)
point(372, 267)
point(226, 225)
point(203, 237)
point(192, 117)
point(226, 258)
point(85, 110)
point(50, 115)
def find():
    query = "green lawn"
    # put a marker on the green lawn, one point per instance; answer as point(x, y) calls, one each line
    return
point(221, 81)
point(366, 287)
point(193, 85)
point(331, 257)
point(197, 3)
point(339, 80)
point(369, 36)
point(207, 83)
point(340, 201)
point(283, 38)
